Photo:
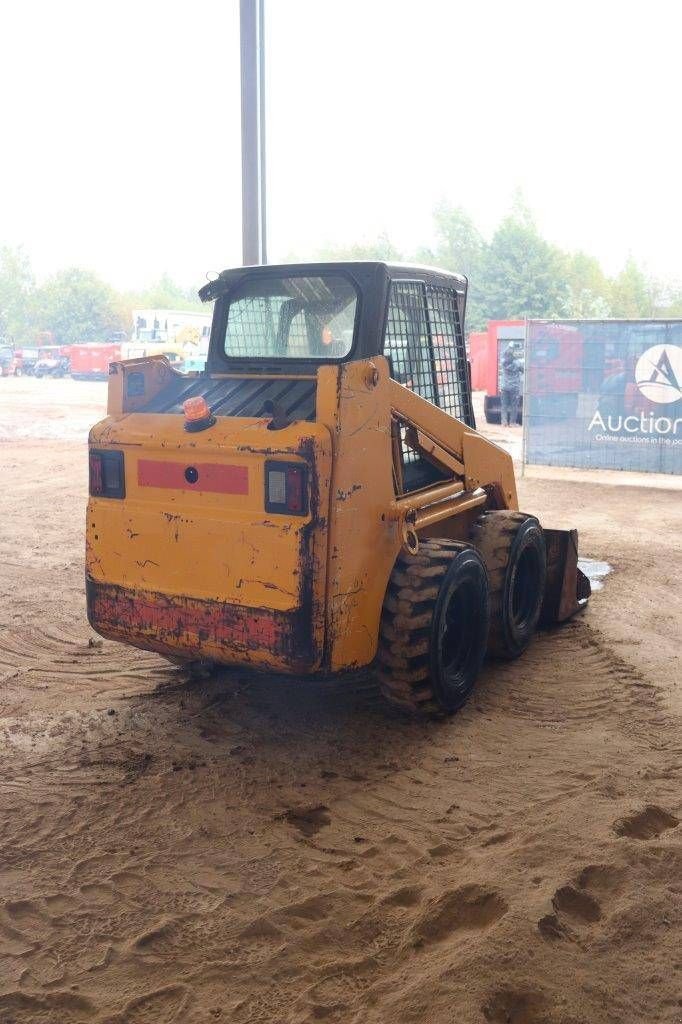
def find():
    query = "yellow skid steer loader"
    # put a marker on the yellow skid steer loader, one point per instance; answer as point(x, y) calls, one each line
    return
point(319, 500)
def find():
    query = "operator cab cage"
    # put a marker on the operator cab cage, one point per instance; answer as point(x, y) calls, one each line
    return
point(288, 319)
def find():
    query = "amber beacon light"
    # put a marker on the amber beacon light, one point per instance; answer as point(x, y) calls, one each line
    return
point(198, 415)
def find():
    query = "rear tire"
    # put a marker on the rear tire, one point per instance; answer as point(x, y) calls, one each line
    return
point(512, 546)
point(434, 627)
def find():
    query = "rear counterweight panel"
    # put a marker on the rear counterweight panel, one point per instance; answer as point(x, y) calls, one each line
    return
point(217, 630)
point(192, 562)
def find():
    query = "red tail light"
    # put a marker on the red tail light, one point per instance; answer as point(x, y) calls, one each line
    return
point(107, 475)
point(286, 488)
point(295, 495)
point(96, 475)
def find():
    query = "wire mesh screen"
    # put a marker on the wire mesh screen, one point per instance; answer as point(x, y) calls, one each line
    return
point(407, 342)
point(452, 374)
point(604, 394)
point(291, 317)
point(252, 327)
point(425, 345)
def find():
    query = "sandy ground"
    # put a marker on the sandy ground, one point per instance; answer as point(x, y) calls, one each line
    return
point(230, 850)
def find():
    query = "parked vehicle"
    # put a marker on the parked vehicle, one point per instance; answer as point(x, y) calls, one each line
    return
point(144, 349)
point(556, 370)
point(486, 349)
point(26, 359)
point(53, 361)
point(91, 360)
point(169, 326)
point(8, 361)
point(195, 357)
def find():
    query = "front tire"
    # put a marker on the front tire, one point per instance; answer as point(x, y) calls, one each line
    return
point(434, 627)
point(512, 546)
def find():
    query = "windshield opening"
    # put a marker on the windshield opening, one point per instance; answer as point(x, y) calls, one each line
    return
point(296, 317)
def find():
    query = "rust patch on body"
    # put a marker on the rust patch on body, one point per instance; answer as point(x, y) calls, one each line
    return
point(200, 627)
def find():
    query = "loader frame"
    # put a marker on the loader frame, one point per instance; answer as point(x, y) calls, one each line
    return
point(392, 459)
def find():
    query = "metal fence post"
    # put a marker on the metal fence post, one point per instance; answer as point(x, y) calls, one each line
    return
point(252, 43)
point(525, 402)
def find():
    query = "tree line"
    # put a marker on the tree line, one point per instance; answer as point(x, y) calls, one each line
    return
point(514, 274)
point(74, 305)
point(517, 273)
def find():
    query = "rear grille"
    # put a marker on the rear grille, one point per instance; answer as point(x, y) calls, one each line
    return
point(244, 396)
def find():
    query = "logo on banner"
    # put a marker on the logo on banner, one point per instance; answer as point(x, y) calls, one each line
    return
point(658, 373)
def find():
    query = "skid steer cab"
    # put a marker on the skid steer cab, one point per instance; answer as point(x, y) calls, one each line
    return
point(318, 499)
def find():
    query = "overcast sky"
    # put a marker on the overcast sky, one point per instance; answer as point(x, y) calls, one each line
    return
point(120, 127)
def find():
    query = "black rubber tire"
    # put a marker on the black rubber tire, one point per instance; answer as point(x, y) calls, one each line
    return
point(434, 627)
point(512, 546)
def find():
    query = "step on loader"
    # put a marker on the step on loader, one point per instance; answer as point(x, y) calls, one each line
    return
point(318, 500)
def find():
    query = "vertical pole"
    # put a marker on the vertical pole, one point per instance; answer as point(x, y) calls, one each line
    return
point(525, 399)
point(251, 22)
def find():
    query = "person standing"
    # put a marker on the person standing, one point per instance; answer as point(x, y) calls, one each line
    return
point(511, 373)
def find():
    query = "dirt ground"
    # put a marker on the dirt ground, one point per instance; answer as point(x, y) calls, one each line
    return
point(231, 850)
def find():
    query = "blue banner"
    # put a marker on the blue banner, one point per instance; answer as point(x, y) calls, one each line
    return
point(604, 394)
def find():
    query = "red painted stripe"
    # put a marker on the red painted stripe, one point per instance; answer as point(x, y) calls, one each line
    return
point(212, 476)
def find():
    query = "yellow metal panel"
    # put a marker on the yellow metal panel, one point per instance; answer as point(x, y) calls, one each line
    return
point(157, 373)
point(487, 465)
point(364, 542)
point(194, 554)
point(213, 547)
point(364, 535)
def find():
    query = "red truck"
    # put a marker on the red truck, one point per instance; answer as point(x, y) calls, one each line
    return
point(90, 361)
point(485, 355)
point(555, 377)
